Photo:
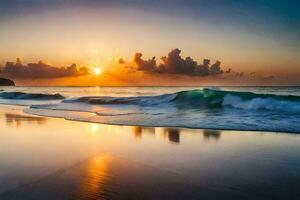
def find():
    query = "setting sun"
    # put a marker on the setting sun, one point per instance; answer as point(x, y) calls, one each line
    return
point(97, 71)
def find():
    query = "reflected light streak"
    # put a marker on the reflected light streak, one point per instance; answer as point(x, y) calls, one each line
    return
point(95, 178)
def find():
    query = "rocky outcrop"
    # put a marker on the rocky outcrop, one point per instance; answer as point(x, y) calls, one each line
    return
point(6, 82)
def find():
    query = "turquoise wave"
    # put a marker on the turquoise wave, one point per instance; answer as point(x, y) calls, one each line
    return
point(30, 96)
point(208, 98)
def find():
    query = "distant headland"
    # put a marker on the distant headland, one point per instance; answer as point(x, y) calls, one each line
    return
point(6, 82)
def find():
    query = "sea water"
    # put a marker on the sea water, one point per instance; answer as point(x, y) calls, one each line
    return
point(228, 108)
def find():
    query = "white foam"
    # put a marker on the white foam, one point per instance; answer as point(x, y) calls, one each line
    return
point(261, 104)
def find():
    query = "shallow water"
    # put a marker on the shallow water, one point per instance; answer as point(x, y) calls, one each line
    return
point(50, 158)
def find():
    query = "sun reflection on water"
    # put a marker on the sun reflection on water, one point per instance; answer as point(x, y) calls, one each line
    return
point(95, 179)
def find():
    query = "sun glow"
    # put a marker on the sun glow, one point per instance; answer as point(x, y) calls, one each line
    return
point(97, 71)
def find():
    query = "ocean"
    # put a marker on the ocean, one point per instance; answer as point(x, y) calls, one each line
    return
point(274, 109)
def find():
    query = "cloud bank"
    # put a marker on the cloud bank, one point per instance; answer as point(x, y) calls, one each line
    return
point(173, 63)
point(42, 70)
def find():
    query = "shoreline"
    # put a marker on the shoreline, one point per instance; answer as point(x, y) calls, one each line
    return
point(131, 125)
point(237, 109)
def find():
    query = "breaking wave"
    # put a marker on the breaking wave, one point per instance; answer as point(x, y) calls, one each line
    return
point(30, 96)
point(203, 108)
point(206, 98)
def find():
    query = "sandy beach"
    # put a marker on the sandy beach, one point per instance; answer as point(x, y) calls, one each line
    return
point(52, 158)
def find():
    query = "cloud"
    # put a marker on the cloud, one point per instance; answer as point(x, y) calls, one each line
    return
point(144, 65)
point(173, 63)
point(121, 61)
point(42, 70)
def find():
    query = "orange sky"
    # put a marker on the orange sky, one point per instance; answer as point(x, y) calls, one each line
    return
point(97, 35)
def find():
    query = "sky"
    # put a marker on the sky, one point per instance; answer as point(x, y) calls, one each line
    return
point(257, 40)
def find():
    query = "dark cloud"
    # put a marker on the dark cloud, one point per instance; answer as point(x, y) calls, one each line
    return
point(42, 70)
point(173, 63)
point(228, 71)
point(144, 65)
point(216, 68)
point(121, 61)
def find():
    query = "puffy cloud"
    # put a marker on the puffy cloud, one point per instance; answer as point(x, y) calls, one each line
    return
point(216, 68)
point(42, 70)
point(173, 63)
point(144, 65)
point(203, 69)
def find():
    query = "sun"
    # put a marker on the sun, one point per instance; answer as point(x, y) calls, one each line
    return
point(97, 71)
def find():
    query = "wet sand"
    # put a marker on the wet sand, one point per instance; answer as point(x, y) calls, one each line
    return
point(49, 158)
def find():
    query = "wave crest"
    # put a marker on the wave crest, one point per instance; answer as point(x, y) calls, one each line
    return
point(206, 98)
point(206, 108)
point(30, 96)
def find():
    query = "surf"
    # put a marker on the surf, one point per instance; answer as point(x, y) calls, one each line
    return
point(205, 98)
point(197, 108)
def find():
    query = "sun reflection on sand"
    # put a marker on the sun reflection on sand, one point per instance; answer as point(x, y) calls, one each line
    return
point(94, 128)
point(96, 177)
